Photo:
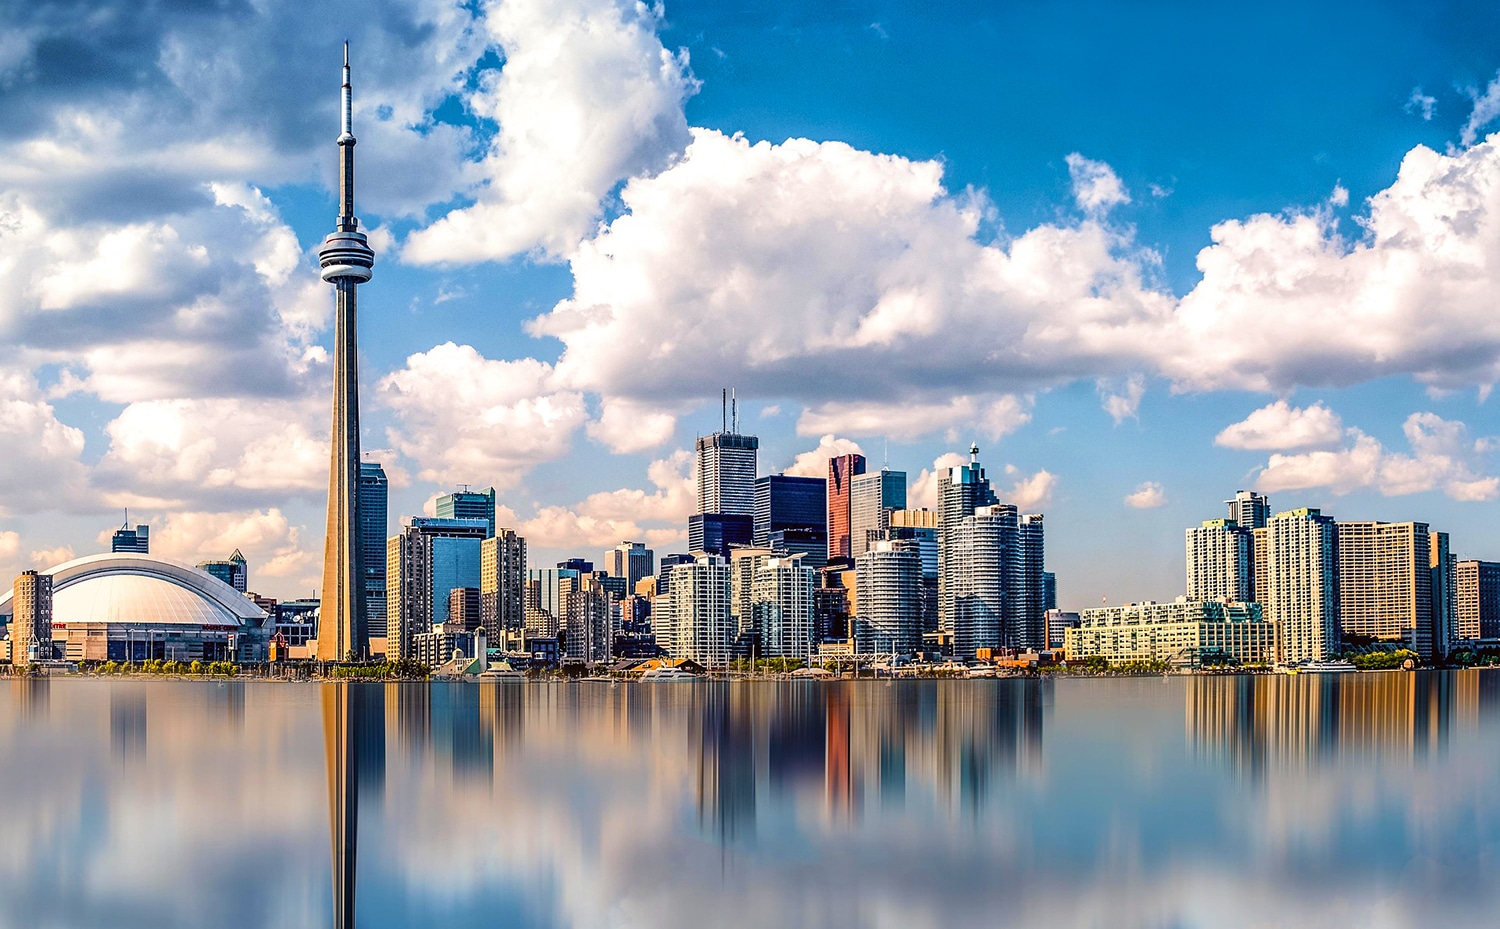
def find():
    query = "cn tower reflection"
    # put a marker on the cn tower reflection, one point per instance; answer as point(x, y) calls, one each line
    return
point(354, 751)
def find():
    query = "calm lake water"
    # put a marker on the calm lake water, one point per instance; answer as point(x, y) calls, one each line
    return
point(1347, 800)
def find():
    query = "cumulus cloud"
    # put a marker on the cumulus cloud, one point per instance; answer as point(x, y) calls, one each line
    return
point(1486, 108)
point(1032, 492)
point(874, 301)
point(1283, 426)
point(10, 551)
point(588, 97)
point(40, 465)
point(45, 558)
point(814, 463)
point(1096, 187)
point(658, 516)
point(1147, 495)
point(217, 453)
point(464, 418)
point(271, 544)
point(1285, 301)
point(1442, 458)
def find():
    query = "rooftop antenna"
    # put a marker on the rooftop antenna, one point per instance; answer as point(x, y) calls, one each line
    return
point(885, 456)
point(724, 410)
point(734, 413)
point(974, 453)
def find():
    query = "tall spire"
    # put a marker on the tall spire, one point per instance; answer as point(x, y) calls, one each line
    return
point(346, 260)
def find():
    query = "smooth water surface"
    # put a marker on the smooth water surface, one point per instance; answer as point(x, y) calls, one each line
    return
point(1336, 800)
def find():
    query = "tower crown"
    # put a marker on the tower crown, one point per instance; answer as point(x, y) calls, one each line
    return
point(345, 254)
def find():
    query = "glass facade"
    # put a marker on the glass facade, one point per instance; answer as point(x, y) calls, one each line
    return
point(373, 513)
point(783, 501)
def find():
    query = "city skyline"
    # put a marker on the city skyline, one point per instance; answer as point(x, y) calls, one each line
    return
point(172, 340)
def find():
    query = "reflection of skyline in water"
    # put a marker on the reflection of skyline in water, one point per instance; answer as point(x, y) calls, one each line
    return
point(1118, 802)
point(1284, 722)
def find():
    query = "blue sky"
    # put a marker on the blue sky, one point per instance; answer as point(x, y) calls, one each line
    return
point(1130, 250)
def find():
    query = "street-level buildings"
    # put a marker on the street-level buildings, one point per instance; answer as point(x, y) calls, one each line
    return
point(1187, 633)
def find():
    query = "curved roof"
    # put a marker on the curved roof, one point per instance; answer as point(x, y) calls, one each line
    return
point(131, 588)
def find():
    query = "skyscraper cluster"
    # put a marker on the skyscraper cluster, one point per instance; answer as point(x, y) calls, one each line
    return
point(842, 563)
point(1329, 584)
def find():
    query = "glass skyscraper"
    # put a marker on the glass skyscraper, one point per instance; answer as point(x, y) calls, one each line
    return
point(784, 501)
point(469, 504)
point(373, 509)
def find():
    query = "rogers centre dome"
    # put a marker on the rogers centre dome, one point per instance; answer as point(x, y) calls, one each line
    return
point(134, 607)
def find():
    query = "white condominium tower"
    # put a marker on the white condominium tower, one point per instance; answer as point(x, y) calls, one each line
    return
point(888, 598)
point(978, 561)
point(697, 622)
point(781, 600)
point(961, 491)
point(1303, 585)
point(1220, 562)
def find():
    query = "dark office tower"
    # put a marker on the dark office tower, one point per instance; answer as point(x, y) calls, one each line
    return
point(961, 491)
point(783, 501)
point(630, 561)
point(346, 260)
point(581, 566)
point(234, 571)
point(1249, 509)
point(725, 469)
point(811, 544)
point(1029, 584)
point(468, 504)
point(374, 496)
point(718, 532)
point(841, 472)
point(1049, 590)
point(135, 541)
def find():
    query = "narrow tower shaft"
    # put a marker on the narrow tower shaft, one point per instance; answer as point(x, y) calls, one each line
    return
point(346, 261)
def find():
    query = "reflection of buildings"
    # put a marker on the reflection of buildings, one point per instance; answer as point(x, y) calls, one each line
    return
point(1281, 722)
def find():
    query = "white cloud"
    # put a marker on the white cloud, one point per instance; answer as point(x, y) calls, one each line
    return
point(45, 558)
point(1123, 403)
point(464, 418)
point(1096, 187)
point(1285, 301)
point(1283, 426)
point(872, 299)
point(1147, 496)
point(1421, 104)
point(922, 493)
point(272, 546)
point(588, 97)
point(626, 426)
point(220, 453)
point(1486, 108)
point(10, 551)
point(814, 463)
point(1033, 492)
point(988, 418)
point(602, 519)
point(1442, 458)
point(1339, 197)
point(40, 465)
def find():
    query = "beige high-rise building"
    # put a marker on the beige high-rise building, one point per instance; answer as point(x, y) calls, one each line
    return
point(1385, 584)
point(1260, 573)
point(743, 565)
point(1302, 598)
point(694, 621)
point(1219, 562)
point(31, 625)
point(502, 585)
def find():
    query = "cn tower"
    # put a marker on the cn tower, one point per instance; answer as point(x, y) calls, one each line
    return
point(346, 260)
